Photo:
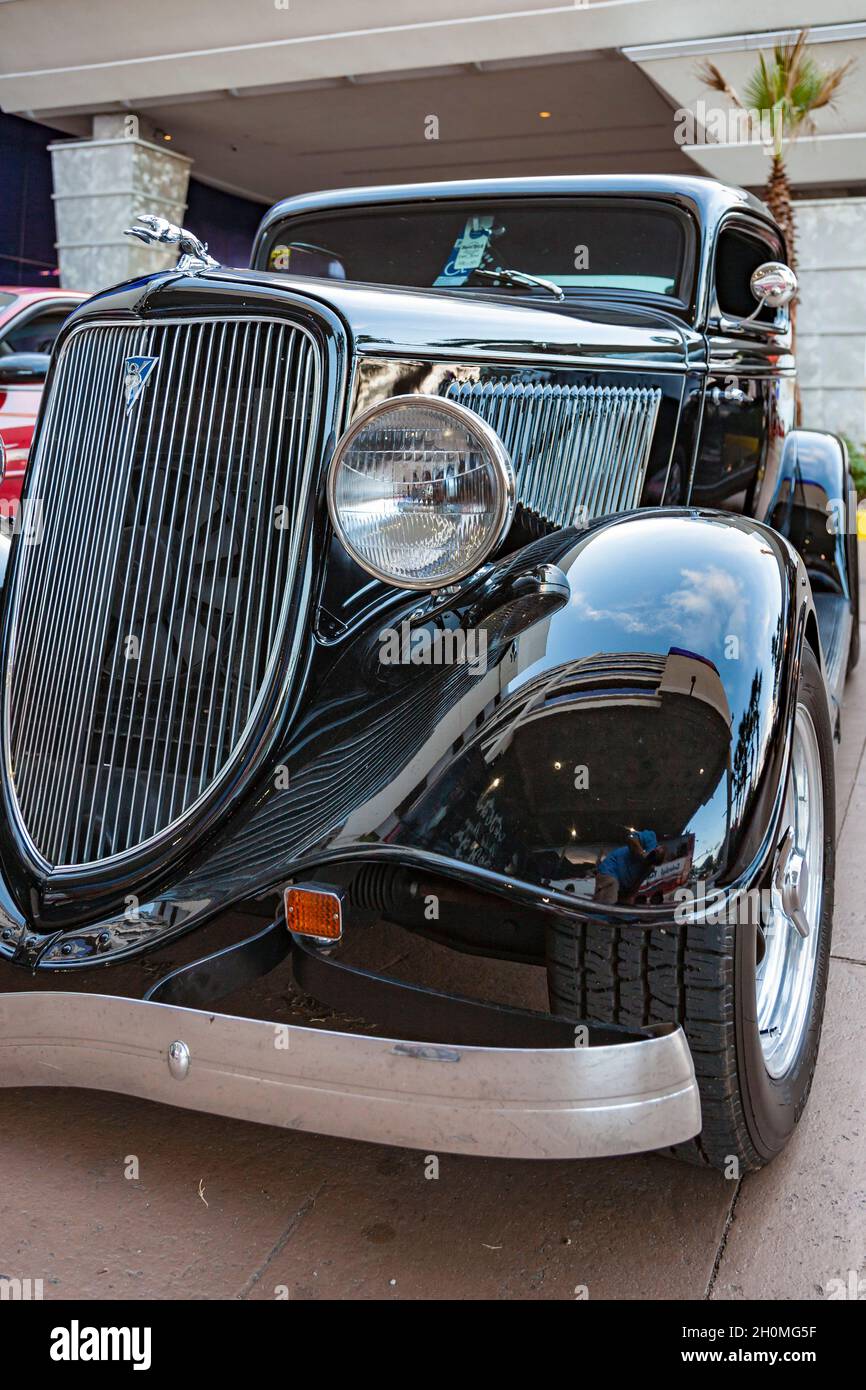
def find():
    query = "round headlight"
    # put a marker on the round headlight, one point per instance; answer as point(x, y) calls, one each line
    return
point(420, 491)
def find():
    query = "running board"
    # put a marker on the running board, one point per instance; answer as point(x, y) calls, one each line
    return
point(833, 612)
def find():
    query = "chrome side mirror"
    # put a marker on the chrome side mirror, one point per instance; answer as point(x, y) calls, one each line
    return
point(773, 285)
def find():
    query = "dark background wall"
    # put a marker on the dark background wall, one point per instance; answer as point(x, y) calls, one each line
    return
point(27, 255)
point(227, 223)
point(27, 232)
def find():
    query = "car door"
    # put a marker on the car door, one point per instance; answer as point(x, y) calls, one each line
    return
point(36, 327)
point(749, 397)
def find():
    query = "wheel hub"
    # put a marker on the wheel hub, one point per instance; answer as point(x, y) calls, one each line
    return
point(792, 883)
point(785, 974)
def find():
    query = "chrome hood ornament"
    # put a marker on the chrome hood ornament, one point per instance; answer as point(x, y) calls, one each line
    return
point(194, 255)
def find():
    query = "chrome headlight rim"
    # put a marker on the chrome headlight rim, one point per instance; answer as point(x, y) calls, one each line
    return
point(498, 456)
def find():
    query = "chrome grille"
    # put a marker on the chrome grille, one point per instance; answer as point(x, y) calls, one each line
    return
point(578, 451)
point(146, 623)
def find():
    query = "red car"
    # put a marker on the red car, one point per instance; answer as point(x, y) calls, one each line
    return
point(30, 320)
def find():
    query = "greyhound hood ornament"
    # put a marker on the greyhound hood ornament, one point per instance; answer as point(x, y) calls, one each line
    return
point(153, 230)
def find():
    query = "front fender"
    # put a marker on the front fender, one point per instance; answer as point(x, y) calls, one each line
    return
point(656, 699)
point(652, 690)
point(639, 675)
point(814, 507)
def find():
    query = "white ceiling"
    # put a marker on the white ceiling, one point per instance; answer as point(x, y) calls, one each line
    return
point(269, 101)
point(271, 145)
point(58, 54)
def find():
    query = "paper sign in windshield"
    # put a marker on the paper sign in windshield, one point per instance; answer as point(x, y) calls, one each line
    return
point(468, 251)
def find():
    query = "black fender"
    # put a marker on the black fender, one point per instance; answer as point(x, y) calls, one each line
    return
point(658, 698)
point(639, 674)
point(814, 506)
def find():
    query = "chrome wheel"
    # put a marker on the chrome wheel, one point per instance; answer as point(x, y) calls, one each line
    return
point(786, 974)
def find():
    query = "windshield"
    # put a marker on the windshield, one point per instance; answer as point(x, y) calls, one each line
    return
point(609, 246)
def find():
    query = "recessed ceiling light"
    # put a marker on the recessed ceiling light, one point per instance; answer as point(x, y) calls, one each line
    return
point(545, 115)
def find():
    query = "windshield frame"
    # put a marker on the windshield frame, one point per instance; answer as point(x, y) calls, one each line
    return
point(682, 303)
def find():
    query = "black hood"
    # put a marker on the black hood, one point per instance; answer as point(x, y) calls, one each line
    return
point(384, 320)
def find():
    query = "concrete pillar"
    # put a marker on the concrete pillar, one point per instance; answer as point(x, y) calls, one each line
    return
point(831, 319)
point(100, 185)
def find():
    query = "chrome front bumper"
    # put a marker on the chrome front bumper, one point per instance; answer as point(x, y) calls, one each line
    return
point(583, 1102)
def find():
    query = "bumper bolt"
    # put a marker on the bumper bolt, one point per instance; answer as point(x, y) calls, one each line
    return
point(178, 1060)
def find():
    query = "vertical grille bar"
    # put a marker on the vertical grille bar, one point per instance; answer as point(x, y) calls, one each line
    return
point(58, 515)
point(177, 482)
point(72, 602)
point(147, 623)
point(86, 612)
point(131, 617)
point(578, 451)
point(240, 537)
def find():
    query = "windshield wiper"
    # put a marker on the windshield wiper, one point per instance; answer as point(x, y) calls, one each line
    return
point(519, 277)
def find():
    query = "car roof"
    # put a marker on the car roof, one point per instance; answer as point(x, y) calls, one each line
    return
point(30, 292)
point(707, 198)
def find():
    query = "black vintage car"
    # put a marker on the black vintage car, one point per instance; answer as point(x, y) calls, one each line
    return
point(458, 566)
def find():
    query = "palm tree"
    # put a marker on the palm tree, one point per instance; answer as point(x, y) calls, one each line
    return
point(786, 90)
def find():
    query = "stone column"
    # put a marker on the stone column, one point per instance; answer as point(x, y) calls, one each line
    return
point(100, 186)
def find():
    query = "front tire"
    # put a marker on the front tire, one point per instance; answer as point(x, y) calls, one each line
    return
point(754, 1076)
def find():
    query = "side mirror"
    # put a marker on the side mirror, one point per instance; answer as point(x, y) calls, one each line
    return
point(772, 284)
point(24, 368)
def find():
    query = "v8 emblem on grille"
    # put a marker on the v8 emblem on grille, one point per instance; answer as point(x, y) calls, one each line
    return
point(136, 371)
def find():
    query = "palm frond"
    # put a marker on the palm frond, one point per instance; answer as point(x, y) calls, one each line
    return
point(790, 61)
point(760, 90)
point(712, 78)
point(832, 81)
point(789, 82)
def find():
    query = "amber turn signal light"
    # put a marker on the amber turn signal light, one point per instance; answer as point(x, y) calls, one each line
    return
point(314, 910)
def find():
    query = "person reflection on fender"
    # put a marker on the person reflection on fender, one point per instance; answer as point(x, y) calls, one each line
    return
point(621, 872)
